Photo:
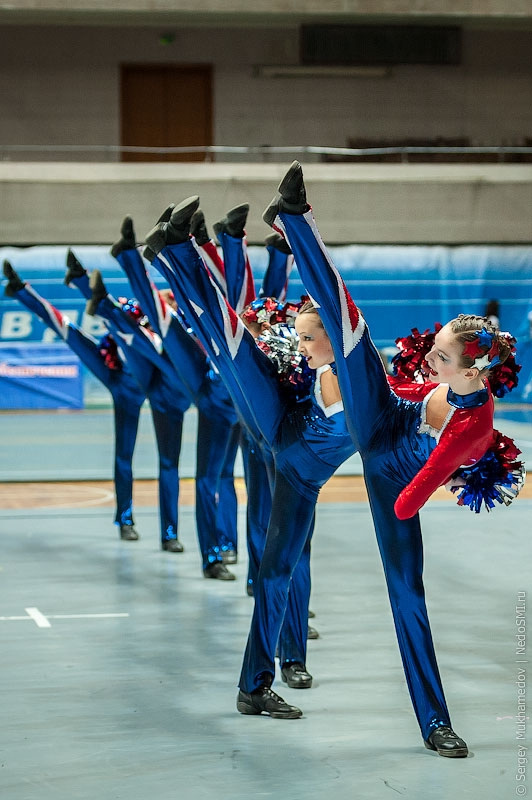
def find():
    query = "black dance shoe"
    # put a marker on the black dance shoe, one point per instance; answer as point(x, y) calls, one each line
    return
point(99, 292)
point(312, 633)
point(296, 676)
point(167, 213)
point(74, 268)
point(174, 231)
point(219, 572)
point(272, 211)
point(158, 234)
point(249, 588)
point(128, 533)
point(148, 253)
point(155, 241)
point(14, 283)
point(127, 239)
point(265, 700)
point(278, 242)
point(172, 546)
point(229, 557)
point(292, 190)
point(292, 198)
point(445, 741)
point(311, 614)
point(234, 222)
point(198, 228)
point(178, 227)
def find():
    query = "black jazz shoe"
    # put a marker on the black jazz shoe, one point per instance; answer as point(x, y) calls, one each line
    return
point(445, 741)
point(265, 700)
point(128, 533)
point(74, 268)
point(312, 633)
point(14, 283)
point(296, 676)
point(292, 190)
point(292, 197)
point(229, 556)
point(219, 572)
point(173, 546)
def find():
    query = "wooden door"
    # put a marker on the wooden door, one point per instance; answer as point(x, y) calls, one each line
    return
point(166, 106)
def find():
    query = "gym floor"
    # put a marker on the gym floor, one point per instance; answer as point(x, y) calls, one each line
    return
point(120, 661)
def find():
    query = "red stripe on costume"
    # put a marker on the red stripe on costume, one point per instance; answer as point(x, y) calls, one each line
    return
point(351, 308)
point(232, 318)
point(57, 314)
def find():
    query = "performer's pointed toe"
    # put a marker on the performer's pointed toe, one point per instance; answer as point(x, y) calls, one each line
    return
point(155, 241)
point(178, 227)
point(292, 190)
point(14, 282)
point(278, 242)
point(272, 211)
point(198, 228)
point(99, 292)
point(74, 268)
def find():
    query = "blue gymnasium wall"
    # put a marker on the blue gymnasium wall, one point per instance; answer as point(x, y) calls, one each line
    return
point(397, 287)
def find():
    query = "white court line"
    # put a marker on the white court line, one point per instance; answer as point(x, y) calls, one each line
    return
point(43, 621)
point(84, 616)
point(39, 619)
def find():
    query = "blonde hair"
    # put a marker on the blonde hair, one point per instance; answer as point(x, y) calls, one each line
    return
point(308, 307)
point(466, 328)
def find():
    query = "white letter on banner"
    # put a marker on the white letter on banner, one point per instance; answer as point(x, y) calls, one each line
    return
point(16, 325)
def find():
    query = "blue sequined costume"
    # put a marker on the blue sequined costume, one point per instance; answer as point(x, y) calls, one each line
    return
point(307, 448)
point(126, 394)
point(218, 430)
point(404, 460)
point(154, 373)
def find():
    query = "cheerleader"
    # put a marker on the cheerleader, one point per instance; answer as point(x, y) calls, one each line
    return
point(412, 440)
point(218, 430)
point(104, 361)
point(148, 363)
point(308, 439)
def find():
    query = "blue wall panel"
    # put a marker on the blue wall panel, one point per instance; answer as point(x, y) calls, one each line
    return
point(397, 287)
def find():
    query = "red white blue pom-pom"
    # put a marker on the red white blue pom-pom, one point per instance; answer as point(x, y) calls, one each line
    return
point(409, 363)
point(503, 377)
point(280, 343)
point(133, 310)
point(263, 309)
point(108, 350)
point(497, 478)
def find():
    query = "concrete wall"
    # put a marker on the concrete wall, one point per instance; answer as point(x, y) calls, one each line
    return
point(60, 85)
point(85, 203)
point(243, 9)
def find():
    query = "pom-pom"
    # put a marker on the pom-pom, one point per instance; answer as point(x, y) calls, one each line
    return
point(109, 352)
point(280, 343)
point(133, 310)
point(263, 309)
point(503, 377)
point(497, 478)
point(409, 363)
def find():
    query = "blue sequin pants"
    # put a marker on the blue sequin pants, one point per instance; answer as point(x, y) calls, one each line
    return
point(282, 587)
point(391, 459)
point(126, 394)
point(217, 437)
